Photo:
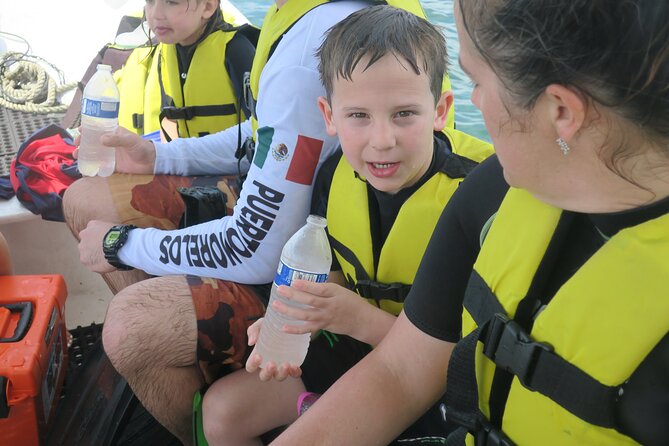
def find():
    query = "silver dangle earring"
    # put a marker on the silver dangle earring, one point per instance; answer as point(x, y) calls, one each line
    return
point(563, 146)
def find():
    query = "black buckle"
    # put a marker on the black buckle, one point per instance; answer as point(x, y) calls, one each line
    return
point(509, 346)
point(370, 289)
point(246, 150)
point(248, 99)
point(171, 112)
point(138, 121)
point(489, 435)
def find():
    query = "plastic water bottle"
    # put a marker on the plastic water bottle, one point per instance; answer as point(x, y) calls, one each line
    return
point(306, 256)
point(99, 115)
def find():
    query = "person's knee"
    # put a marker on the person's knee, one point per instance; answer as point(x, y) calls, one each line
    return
point(116, 338)
point(136, 335)
point(217, 418)
point(82, 201)
point(126, 334)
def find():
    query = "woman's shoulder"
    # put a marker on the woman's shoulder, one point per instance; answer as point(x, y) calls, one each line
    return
point(485, 186)
point(481, 193)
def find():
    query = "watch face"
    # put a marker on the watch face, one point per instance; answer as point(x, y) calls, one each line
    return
point(112, 238)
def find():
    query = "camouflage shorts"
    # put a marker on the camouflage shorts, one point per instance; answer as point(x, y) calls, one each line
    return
point(224, 310)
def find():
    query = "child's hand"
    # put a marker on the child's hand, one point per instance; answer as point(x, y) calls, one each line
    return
point(331, 307)
point(270, 371)
point(253, 332)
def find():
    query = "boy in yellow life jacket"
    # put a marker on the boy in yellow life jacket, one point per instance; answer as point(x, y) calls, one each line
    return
point(382, 69)
point(191, 82)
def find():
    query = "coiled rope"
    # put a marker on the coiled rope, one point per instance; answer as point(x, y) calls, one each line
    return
point(27, 87)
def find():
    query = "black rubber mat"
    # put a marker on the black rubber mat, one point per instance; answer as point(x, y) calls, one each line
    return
point(97, 407)
point(16, 127)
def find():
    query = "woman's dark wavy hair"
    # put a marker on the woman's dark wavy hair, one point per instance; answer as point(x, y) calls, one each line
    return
point(379, 30)
point(614, 52)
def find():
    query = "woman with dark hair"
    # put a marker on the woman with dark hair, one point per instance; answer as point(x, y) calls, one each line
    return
point(541, 306)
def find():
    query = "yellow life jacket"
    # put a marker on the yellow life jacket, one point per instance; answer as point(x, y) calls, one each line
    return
point(597, 329)
point(149, 82)
point(387, 284)
point(139, 89)
point(277, 22)
point(207, 103)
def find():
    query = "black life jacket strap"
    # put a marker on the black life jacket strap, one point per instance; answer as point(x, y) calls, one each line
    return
point(187, 113)
point(378, 291)
point(364, 285)
point(350, 257)
point(462, 400)
point(192, 111)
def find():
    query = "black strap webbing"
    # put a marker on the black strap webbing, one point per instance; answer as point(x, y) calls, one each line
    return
point(366, 287)
point(191, 111)
point(188, 113)
point(479, 300)
point(462, 398)
point(347, 254)
point(370, 289)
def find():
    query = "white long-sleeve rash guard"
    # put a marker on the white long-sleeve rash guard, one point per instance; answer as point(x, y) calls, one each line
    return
point(291, 145)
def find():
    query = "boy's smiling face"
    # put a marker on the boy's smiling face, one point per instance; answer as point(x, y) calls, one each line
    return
point(384, 117)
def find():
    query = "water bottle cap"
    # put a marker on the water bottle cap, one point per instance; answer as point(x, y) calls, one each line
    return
point(104, 67)
point(317, 220)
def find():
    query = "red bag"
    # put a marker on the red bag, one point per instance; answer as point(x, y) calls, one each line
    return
point(42, 170)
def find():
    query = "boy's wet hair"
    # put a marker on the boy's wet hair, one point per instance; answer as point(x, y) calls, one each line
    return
point(379, 30)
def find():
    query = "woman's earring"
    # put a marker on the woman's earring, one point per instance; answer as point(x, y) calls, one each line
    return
point(563, 146)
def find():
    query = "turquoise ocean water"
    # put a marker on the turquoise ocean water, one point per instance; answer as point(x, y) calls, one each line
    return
point(440, 12)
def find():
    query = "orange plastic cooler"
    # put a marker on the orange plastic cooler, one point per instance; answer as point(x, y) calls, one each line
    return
point(33, 355)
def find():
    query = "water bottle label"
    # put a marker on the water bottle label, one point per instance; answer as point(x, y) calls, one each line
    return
point(99, 109)
point(285, 275)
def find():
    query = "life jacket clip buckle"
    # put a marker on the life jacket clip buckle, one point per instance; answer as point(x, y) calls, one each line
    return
point(510, 347)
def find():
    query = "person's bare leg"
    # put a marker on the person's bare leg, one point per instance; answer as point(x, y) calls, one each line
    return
point(89, 199)
point(239, 408)
point(150, 336)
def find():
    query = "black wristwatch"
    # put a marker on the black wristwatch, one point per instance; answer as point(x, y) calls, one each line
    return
point(113, 241)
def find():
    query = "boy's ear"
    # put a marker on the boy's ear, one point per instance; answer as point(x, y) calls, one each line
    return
point(567, 110)
point(326, 111)
point(441, 111)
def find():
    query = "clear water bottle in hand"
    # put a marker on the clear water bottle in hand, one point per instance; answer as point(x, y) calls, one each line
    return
point(99, 115)
point(306, 256)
